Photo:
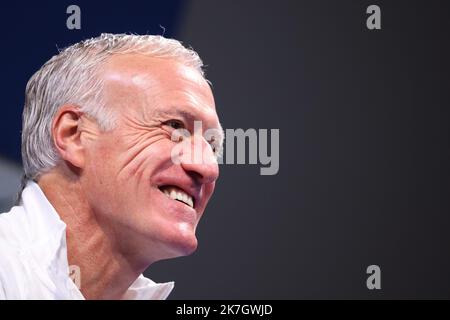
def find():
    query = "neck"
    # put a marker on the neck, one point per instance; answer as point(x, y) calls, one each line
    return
point(106, 273)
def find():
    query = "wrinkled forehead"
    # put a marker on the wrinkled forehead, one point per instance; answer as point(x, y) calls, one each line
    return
point(152, 85)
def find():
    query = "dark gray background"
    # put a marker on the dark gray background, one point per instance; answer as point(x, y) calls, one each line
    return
point(364, 140)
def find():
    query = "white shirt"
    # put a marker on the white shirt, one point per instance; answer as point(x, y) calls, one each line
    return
point(33, 255)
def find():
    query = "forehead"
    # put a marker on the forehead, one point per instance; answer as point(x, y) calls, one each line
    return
point(136, 83)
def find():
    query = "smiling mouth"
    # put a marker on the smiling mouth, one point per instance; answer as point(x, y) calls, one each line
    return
point(176, 193)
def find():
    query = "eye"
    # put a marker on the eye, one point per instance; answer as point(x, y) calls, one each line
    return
point(215, 146)
point(176, 129)
point(174, 124)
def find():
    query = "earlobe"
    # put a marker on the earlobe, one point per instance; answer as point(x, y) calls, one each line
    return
point(66, 135)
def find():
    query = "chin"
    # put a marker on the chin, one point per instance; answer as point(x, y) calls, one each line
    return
point(184, 246)
point(175, 244)
point(191, 247)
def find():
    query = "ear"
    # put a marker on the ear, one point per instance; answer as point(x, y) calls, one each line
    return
point(66, 135)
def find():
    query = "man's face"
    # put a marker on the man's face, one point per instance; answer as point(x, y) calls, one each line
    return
point(129, 176)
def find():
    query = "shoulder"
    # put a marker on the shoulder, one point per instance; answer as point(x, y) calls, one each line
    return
point(13, 234)
point(13, 227)
point(12, 270)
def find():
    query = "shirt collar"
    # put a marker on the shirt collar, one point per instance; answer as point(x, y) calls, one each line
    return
point(47, 237)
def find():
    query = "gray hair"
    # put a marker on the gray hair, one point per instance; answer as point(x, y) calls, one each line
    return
point(71, 77)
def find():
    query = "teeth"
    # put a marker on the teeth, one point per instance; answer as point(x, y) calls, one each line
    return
point(177, 194)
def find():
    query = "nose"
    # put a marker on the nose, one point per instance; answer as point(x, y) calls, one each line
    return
point(199, 161)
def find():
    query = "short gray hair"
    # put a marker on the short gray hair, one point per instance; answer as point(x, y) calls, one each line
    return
point(71, 77)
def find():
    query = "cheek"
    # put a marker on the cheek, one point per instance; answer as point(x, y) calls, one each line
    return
point(141, 160)
point(98, 168)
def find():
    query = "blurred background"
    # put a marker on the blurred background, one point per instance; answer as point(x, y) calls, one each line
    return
point(364, 139)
